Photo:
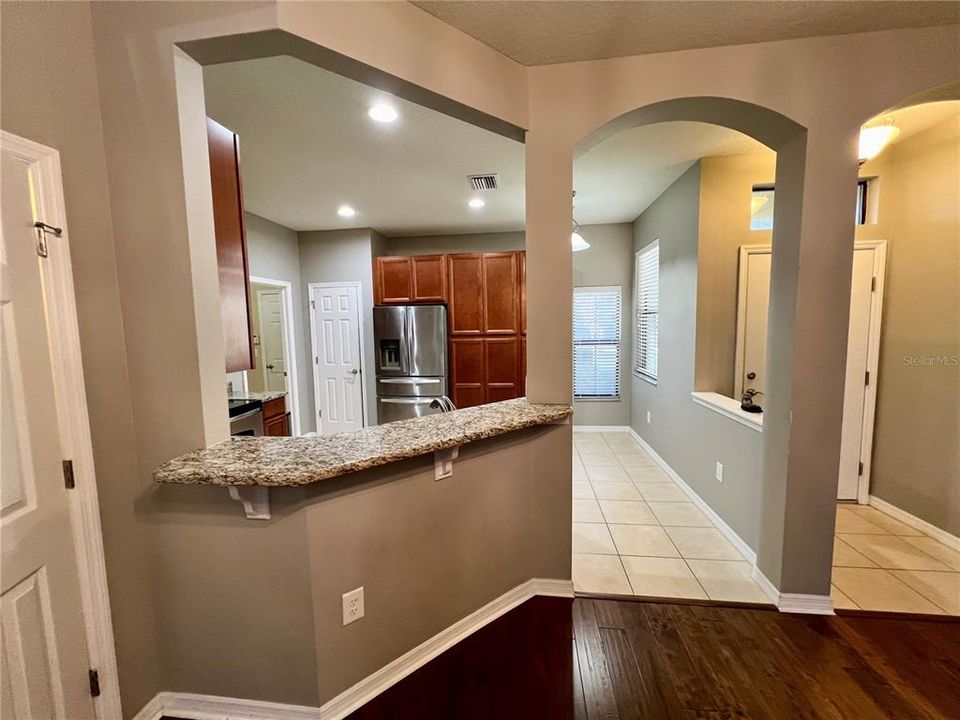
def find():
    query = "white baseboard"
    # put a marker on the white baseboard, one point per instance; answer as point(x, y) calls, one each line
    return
point(726, 530)
point(793, 602)
point(769, 589)
point(916, 523)
point(805, 604)
point(211, 707)
point(600, 428)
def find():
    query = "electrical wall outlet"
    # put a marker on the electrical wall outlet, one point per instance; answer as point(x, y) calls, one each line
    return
point(352, 606)
point(719, 473)
point(648, 417)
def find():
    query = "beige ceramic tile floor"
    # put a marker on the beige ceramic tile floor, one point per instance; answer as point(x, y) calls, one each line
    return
point(635, 532)
point(879, 563)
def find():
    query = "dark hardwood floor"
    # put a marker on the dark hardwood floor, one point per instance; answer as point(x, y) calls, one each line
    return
point(607, 659)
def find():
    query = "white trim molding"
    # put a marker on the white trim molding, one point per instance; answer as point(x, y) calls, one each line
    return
point(793, 602)
point(728, 532)
point(290, 349)
point(729, 408)
point(938, 534)
point(73, 419)
point(211, 707)
point(805, 604)
point(599, 428)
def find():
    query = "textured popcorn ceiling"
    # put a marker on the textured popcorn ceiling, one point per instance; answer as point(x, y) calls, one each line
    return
point(541, 32)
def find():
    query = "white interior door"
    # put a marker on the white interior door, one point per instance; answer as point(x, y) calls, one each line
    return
point(337, 352)
point(861, 350)
point(44, 669)
point(752, 374)
point(855, 389)
point(272, 325)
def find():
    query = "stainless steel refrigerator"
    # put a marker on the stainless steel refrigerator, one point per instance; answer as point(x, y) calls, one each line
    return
point(411, 346)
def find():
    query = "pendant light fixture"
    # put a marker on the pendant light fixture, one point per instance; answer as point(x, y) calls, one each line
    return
point(576, 239)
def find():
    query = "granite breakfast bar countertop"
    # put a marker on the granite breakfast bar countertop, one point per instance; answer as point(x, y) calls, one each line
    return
point(277, 461)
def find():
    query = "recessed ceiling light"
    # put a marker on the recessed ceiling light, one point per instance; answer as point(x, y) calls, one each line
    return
point(476, 203)
point(345, 211)
point(382, 112)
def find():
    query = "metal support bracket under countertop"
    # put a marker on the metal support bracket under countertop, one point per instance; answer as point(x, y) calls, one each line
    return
point(254, 498)
point(443, 462)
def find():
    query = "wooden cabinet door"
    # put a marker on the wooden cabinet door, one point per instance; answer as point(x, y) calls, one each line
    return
point(502, 361)
point(467, 371)
point(276, 426)
point(522, 258)
point(231, 237)
point(429, 278)
point(523, 365)
point(501, 297)
point(393, 280)
point(465, 293)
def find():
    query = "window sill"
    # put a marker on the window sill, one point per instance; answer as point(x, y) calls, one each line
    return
point(729, 408)
point(645, 378)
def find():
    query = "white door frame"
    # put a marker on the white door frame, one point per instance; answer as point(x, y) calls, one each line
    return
point(289, 348)
point(873, 347)
point(315, 348)
point(71, 402)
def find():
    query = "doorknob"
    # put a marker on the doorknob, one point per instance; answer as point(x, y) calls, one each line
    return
point(354, 371)
point(269, 367)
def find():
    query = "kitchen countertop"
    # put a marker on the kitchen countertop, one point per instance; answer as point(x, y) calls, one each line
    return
point(278, 461)
point(261, 396)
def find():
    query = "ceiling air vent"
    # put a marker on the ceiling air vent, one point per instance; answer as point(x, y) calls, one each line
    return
point(489, 181)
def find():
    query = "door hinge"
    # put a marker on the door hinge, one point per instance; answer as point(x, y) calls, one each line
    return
point(316, 359)
point(860, 468)
point(94, 683)
point(873, 284)
point(313, 304)
point(866, 378)
point(68, 475)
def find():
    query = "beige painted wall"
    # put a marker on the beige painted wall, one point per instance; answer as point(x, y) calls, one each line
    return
point(916, 451)
point(51, 97)
point(608, 262)
point(725, 187)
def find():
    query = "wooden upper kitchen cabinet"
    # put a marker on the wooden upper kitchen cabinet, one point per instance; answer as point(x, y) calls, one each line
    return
point(465, 293)
point(501, 294)
point(230, 231)
point(429, 278)
point(416, 279)
point(393, 280)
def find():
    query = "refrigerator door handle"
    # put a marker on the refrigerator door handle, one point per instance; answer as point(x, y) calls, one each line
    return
point(411, 335)
point(404, 348)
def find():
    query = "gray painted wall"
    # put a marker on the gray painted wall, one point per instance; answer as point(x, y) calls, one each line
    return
point(274, 254)
point(343, 256)
point(439, 244)
point(689, 437)
point(608, 261)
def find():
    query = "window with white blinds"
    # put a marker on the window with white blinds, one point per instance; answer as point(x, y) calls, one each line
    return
point(647, 281)
point(596, 343)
